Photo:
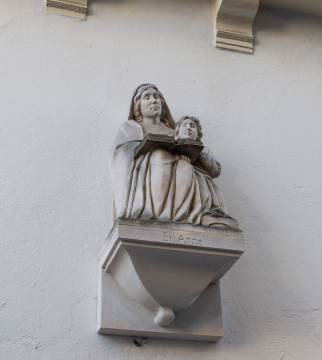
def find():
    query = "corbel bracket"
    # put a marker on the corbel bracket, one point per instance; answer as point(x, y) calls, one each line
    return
point(234, 22)
point(161, 279)
point(72, 8)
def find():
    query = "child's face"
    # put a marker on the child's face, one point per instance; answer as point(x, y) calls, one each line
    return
point(188, 130)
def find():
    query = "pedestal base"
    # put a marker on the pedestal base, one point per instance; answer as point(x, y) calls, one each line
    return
point(161, 279)
point(118, 315)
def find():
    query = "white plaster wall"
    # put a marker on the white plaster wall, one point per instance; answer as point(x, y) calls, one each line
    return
point(65, 88)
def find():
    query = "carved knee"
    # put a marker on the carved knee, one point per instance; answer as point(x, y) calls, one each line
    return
point(162, 157)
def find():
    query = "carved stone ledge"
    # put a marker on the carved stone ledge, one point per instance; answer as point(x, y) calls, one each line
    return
point(161, 279)
point(233, 19)
point(72, 8)
point(234, 22)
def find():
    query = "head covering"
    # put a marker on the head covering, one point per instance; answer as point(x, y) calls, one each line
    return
point(167, 119)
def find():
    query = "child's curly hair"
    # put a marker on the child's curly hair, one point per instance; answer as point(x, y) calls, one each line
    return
point(195, 120)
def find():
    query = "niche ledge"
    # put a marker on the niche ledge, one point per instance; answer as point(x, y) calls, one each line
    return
point(72, 8)
point(233, 20)
point(161, 279)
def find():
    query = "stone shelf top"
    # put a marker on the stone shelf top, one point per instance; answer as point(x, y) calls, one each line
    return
point(161, 279)
point(172, 233)
point(233, 19)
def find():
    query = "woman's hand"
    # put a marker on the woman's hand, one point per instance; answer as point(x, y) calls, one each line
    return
point(186, 158)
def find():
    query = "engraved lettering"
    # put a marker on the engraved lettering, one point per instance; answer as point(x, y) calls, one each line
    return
point(182, 239)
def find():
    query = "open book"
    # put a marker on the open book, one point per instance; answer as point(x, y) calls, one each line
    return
point(188, 147)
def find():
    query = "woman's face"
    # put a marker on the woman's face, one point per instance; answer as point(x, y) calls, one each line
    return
point(188, 130)
point(151, 106)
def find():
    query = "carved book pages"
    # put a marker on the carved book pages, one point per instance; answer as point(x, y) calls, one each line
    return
point(187, 147)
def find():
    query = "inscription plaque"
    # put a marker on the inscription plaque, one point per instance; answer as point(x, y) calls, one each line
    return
point(172, 237)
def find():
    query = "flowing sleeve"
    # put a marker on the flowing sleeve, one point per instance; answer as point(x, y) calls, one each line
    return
point(208, 161)
point(121, 161)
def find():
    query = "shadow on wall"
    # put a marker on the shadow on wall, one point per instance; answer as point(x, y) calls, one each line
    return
point(90, 2)
point(149, 3)
point(150, 346)
point(260, 298)
point(276, 21)
point(268, 20)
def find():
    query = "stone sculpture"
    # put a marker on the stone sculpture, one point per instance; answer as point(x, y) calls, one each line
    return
point(172, 240)
point(159, 184)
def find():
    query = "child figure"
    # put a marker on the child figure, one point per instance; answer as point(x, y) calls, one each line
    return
point(189, 127)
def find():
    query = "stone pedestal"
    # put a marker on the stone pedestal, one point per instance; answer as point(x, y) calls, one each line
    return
point(160, 279)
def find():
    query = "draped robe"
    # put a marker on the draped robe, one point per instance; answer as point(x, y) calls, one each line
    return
point(159, 185)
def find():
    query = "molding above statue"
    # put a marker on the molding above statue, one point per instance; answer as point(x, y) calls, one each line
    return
point(234, 24)
point(233, 18)
point(72, 8)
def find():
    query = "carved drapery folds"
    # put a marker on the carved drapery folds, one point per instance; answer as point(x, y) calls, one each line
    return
point(234, 22)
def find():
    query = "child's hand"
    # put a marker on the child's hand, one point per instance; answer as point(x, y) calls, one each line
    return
point(187, 158)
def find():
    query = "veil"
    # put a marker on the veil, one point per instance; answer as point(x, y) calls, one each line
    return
point(167, 119)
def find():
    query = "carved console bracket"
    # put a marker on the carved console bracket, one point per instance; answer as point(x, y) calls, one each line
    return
point(233, 24)
point(233, 20)
point(72, 8)
point(161, 279)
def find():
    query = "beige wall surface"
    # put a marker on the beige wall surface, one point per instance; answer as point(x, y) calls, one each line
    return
point(65, 88)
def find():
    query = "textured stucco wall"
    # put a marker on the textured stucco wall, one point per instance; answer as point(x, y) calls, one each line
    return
point(65, 88)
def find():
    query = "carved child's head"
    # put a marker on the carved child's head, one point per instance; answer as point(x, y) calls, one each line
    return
point(188, 127)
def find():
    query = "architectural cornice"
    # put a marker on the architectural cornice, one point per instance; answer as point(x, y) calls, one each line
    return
point(234, 23)
point(72, 8)
point(233, 18)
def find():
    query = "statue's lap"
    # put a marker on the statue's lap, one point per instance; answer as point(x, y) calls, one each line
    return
point(161, 157)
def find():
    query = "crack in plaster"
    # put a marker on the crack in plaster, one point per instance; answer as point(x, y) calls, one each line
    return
point(71, 311)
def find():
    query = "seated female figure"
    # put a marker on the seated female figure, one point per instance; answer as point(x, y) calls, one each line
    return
point(160, 185)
